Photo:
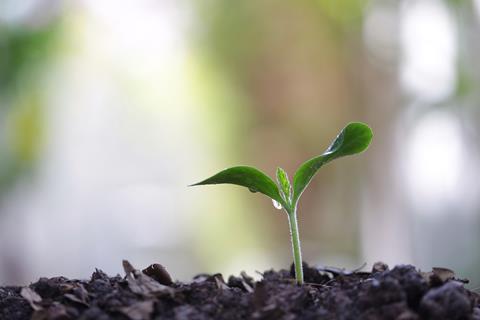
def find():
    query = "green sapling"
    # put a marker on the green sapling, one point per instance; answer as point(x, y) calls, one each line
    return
point(354, 138)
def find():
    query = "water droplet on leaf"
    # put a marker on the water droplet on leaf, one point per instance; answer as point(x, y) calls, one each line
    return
point(276, 204)
point(252, 190)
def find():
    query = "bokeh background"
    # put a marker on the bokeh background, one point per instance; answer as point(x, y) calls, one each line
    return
point(109, 109)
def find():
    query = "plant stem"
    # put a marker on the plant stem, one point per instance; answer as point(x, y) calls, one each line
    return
point(297, 252)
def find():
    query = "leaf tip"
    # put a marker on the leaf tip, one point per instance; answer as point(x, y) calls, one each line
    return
point(357, 138)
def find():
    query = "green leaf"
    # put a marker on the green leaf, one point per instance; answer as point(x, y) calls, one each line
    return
point(284, 185)
point(252, 178)
point(354, 138)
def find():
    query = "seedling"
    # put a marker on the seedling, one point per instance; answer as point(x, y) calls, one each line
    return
point(354, 138)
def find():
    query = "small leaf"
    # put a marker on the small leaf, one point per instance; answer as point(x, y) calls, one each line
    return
point(249, 177)
point(354, 138)
point(284, 184)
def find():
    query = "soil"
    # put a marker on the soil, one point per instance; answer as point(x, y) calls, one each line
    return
point(402, 293)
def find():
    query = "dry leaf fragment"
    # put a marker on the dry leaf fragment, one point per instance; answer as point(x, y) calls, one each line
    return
point(443, 274)
point(249, 280)
point(32, 297)
point(438, 276)
point(142, 284)
point(159, 273)
point(379, 267)
point(220, 282)
point(247, 287)
point(127, 267)
point(79, 294)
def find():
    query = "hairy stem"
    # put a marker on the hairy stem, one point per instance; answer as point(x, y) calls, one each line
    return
point(297, 252)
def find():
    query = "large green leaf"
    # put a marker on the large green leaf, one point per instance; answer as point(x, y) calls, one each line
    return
point(354, 138)
point(253, 179)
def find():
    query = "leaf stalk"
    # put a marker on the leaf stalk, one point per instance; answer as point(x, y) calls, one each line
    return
point(295, 238)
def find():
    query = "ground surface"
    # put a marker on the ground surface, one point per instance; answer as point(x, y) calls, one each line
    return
point(402, 293)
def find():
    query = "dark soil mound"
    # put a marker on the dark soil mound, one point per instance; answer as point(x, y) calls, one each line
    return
point(402, 293)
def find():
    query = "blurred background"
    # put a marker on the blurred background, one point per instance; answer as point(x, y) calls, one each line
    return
point(109, 109)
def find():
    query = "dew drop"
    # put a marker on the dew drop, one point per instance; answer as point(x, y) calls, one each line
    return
point(276, 204)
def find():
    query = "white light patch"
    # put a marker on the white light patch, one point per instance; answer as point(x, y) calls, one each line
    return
point(428, 50)
point(477, 7)
point(14, 12)
point(435, 156)
point(381, 32)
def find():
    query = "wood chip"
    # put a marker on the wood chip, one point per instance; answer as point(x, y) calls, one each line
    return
point(32, 297)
